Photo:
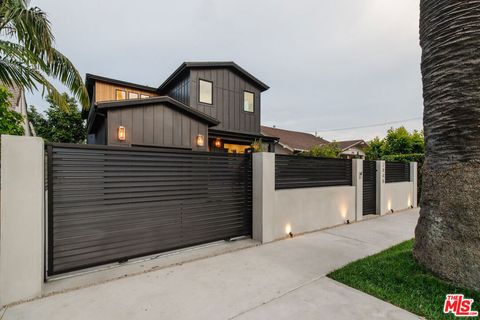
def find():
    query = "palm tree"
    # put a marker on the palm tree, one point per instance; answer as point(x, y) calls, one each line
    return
point(29, 60)
point(448, 231)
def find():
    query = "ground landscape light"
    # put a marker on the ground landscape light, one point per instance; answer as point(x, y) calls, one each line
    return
point(288, 230)
point(218, 143)
point(121, 133)
point(200, 140)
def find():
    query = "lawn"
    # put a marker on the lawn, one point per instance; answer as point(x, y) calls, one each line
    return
point(394, 276)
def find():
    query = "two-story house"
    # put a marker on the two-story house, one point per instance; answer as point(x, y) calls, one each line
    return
point(204, 106)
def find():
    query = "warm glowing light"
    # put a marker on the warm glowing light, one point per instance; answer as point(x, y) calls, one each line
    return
point(343, 208)
point(389, 205)
point(218, 143)
point(288, 229)
point(409, 201)
point(121, 133)
point(200, 140)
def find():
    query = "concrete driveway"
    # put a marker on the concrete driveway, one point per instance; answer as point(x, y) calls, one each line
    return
point(281, 280)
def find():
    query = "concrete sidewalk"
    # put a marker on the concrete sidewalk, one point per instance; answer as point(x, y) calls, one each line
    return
point(281, 280)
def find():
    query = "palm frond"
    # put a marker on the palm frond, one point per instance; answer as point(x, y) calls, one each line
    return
point(63, 69)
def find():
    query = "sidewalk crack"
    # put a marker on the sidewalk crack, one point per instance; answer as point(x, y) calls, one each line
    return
point(277, 297)
point(3, 313)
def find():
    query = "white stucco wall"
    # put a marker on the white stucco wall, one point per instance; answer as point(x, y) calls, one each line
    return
point(310, 209)
point(398, 195)
point(21, 218)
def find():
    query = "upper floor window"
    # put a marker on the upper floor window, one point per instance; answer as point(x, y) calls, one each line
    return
point(205, 93)
point(248, 101)
point(120, 94)
point(144, 96)
point(132, 95)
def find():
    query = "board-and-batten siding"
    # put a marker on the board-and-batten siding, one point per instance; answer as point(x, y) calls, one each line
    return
point(106, 91)
point(180, 90)
point(155, 125)
point(227, 105)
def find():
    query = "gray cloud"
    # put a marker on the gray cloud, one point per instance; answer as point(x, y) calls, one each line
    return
point(330, 64)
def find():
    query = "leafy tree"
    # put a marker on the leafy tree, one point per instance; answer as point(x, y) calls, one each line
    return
point(447, 235)
point(330, 150)
point(398, 141)
point(59, 126)
point(30, 59)
point(11, 122)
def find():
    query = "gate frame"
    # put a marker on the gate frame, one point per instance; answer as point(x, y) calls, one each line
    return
point(49, 245)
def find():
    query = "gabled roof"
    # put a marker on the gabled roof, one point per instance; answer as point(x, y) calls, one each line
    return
point(155, 100)
point(294, 140)
point(213, 64)
point(347, 144)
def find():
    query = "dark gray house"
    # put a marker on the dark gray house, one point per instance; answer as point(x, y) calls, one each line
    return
point(205, 106)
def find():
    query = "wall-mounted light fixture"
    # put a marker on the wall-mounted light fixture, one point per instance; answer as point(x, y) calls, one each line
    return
point(121, 133)
point(218, 143)
point(200, 140)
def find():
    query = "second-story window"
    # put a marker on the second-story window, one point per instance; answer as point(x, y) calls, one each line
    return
point(205, 92)
point(248, 101)
point(132, 95)
point(144, 96)
point(120, 94)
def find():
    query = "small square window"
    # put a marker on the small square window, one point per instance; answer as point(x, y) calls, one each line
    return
point(120, 94)
point(144, 96)
point(132, 95)
point(205, 92)
point(248, 101)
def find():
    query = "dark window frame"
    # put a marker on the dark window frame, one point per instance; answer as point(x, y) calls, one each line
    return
point(243, 105)
point(199, 101)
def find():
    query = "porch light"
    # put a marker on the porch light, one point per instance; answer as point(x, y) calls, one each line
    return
point(218, 143)
point(200, 140)
point(121, 133)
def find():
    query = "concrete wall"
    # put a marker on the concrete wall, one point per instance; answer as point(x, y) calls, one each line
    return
point(308, 209)
point(398, 195)
point(277, 212)
point(300, 210)
point(21, 218)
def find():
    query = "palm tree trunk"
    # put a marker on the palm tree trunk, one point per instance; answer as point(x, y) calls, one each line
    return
point(448, 231)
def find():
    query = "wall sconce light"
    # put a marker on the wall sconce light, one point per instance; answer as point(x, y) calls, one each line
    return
point(218, 143)
point(200, 140)
point(121, 133)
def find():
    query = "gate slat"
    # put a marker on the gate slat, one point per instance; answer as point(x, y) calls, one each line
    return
point(107, 204)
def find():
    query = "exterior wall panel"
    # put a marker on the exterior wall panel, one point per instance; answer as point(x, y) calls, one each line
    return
point(155, 125)
point(106, 91)
point(227, 97)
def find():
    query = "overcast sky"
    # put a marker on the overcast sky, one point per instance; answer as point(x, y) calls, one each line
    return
point(329, 64)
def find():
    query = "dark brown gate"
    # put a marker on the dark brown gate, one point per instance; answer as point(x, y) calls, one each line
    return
point(109, 204)
point(369, 187)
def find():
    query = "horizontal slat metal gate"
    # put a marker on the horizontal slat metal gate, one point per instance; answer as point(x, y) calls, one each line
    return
point(369, 187)
point(109, 204)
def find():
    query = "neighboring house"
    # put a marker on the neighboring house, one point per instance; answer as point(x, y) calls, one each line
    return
point(352, 149)
point(18, 103)
point(204, 106)
point(292, 142)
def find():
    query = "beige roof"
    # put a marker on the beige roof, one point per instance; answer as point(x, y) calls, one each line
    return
point(294, 140)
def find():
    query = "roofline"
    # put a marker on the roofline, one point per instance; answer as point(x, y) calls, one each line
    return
point(162, 99)
point(212, 64)
point(90, 76)
point(352, 145)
